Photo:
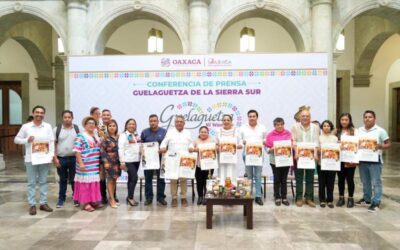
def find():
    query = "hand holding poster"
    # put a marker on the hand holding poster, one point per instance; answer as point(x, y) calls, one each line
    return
point(170, 167)
point(349, 149)
point(283, 153)
point(228, 150)
point(208, 156)
point(330, 156)
point(367, 149)
point(41, 153)
point(305, 152)
point(254, 153)
point(187, 165)
point(150, 158)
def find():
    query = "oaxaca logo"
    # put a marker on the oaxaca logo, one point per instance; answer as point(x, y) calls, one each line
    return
point(166, 62)
point(219, 62)
point(196, 116)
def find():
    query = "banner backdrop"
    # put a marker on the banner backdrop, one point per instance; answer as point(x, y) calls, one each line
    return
point(200, 87)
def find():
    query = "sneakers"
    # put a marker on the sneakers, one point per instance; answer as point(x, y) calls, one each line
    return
point(373, 208)
point(322, 204)
point(363, 202)
point(76, 204)
point(60, 204)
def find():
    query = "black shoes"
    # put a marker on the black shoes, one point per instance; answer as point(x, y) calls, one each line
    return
point(259, 201)
point(373, 208)
point(200, 200)
point(162, 202)
point(363, 202)
point(148, 202)
point(340, 202)
point(285, 202)
point(277, 202)
point(350, 203)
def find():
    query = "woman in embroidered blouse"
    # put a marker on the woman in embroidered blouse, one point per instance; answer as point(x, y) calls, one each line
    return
point(110, 159)
point(129, 156)
point(87, 179)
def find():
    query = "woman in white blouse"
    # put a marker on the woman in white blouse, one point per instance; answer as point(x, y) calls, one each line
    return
point(228, 132)
point(129, 156)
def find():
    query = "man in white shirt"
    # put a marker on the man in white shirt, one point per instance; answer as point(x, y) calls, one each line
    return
point(305, 131)
point(253, 131)
point(65, 160)
point(37, 131)
point(177, 140)
point(370, 172)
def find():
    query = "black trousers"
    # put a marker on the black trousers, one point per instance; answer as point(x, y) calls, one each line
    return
point(280, 181)
point(326, 184)
point(133, 168)
point(346, 175)
point(201, 180)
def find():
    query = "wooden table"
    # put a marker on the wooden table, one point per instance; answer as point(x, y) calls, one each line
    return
point(247, 208)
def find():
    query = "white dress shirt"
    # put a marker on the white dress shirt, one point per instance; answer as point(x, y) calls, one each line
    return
point(177, 141)
point(43, 132)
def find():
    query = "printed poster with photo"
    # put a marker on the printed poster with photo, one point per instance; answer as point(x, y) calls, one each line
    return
point(349, 149)
point(367, 150)
point(305, 152)
point(187, 165)
point(254, 153)
point(228, 150)
point(150, 157)
point(330, 156)
point(208, 156)
point(41, 152)
point(283, 153)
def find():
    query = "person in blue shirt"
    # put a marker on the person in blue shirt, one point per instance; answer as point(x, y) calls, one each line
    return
point(154, 134)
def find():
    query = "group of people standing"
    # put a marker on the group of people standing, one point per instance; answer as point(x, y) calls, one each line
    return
point(92, 160)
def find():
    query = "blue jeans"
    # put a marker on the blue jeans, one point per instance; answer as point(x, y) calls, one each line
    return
point(370, 174)
point(148, 174)
point(66, 172)
point(37, 171)
point(255, 172)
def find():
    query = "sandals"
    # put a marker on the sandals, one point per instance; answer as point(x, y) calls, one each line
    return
point(88, 208)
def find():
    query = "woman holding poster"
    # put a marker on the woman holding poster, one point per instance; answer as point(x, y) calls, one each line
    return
point(129, 156)
point(207, 152)
point(279, 145)
point(229, 141)
point(346, 174)
point(326, 178)
point(110, 159)
point(87, 179)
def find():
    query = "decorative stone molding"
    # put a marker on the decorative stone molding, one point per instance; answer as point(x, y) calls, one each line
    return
point(18, 7)
point(190, 2)
point(260, 4)
point(361, 80)
point(137, 5)
point(45, 83)
point(318, 2)
point(384, 2)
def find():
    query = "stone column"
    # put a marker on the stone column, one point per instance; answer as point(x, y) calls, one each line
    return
point(77, 27)
point(198, 29)
point(321, 12)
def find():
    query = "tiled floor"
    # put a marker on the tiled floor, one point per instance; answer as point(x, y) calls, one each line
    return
point(158, 227)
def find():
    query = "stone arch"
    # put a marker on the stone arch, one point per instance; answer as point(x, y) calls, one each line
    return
point(111, 21)
point(273, 11)
point(27, 11)
point(362, 8)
